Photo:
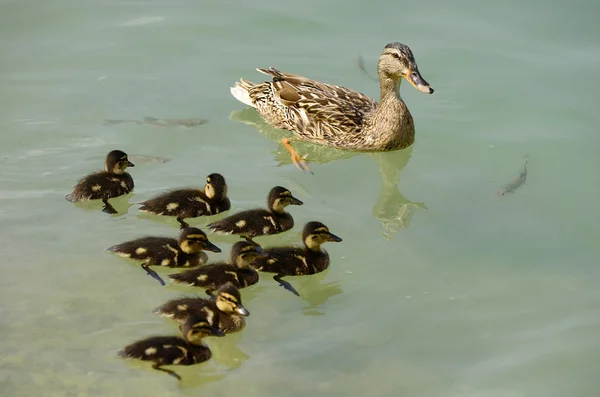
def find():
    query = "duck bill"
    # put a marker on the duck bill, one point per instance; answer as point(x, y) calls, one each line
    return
point(242, 310)
point(130, 164)
point(295, 201)
point(333, 238)
point(211, 247)
point(414, 77)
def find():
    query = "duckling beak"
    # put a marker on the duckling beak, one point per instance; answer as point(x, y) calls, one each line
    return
point(295, 201)
point(211, 247)
point(216, 332)
point(414, 77)
point(334, 238)
point(242, 310)
point(130, 164)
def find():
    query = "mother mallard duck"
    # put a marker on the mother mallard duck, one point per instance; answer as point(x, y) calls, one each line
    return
point(336, 116)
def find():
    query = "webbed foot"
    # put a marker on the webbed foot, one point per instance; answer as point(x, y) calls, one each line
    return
point(172, 373)
point(153, 274)
point(298, 160)
point(285, 284)
point(183, 223)
point(108, 208)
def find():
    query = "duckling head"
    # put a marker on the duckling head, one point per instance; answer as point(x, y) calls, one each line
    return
point(279, 198)
point(195, 328)
point(117, 162)
point(193, 240)
point(243, 253)
point(397, 61)
point(229, 300)
point(316, 233)
point(215, 188)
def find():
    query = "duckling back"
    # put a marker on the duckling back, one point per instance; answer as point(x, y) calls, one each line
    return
point(165, 350)
point(101, 185)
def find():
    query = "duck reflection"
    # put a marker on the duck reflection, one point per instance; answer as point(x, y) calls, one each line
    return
point(316, 293)
point(121, 204)
point(393, 210)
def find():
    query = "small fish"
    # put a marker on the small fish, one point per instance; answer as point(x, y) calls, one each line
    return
point(360, 62)
point(160, 122)
point(143, 159)
point(515, 183)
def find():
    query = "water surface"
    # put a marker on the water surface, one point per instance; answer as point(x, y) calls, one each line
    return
point(440, 288)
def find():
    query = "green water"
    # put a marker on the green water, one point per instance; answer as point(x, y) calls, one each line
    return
point(440, 287)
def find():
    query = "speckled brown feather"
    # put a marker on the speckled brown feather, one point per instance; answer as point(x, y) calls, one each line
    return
point(332, 115)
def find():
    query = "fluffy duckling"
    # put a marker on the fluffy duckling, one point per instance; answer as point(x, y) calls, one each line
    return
point(227, 305)
point(103, 185)
point(258, 222)
point(191, 203)
point(298, 261)
point(168, 252)
point(173, 350)
point(238, 271)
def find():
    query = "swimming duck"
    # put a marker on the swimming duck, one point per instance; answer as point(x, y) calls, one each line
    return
point(173, 350)
point(103, 185)
point(336, 116)
point(298, 261)
point(168, 252)
point(191, 203)
point(258, 222)
point(237, 271)
point(226, 304)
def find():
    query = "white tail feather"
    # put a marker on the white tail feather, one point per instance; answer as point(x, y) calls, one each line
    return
point(241, 95)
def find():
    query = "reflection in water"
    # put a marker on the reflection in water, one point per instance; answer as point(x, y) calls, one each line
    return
point(313, 292)
point(121, 204)
point(226, 352)
point(393, 210)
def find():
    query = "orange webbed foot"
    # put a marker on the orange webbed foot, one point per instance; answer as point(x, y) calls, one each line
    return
point(298, 160)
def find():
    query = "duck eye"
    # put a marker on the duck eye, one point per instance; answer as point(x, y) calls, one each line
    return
point(396, 55)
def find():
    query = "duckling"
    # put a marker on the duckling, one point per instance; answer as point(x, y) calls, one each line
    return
point(191, 203)
point(227, 305)
point(173, 350)
point(238, 271)
point(103, 185)
point(298, 261)
point(258, 222)
point(168, 252)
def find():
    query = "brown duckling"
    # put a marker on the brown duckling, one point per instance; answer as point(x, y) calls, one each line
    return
point(298, 261)
point(227, 306)
point(258, 222)
point(103, 185)
point(238, 271)
point(191, 203)
point(173, 350)
point(168, 252)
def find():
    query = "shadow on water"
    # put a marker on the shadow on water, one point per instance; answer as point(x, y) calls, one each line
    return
point(392, 209)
